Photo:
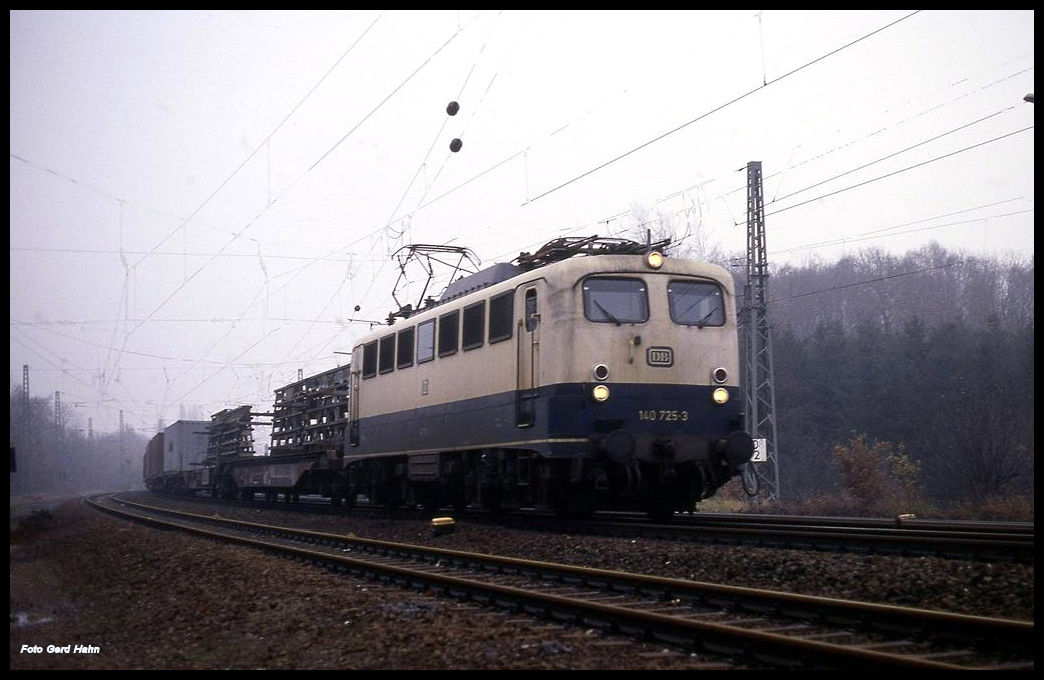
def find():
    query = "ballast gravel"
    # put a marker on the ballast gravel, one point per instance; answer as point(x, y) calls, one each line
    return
point(89, 591)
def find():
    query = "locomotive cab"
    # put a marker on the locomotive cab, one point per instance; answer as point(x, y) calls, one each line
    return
point(642, 358)
point(576, 383)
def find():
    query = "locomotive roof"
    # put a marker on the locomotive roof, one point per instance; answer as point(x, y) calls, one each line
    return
point(489, 276)
point(566, 268)
point(558, 250)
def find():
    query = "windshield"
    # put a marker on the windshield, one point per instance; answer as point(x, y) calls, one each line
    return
point(696, 303)
point(619, 301)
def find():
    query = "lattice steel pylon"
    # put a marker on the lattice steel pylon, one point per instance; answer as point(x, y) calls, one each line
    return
point(758, 384)
point(27, 434)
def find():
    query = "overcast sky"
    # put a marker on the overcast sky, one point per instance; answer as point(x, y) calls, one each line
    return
point(199, 200)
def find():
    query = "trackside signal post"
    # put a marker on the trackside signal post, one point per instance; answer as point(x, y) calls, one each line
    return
point(759, 385)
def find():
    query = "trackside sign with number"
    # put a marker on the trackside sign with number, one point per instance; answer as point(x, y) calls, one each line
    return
point(760, 451)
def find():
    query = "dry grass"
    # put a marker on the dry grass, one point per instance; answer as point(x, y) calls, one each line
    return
point(731, 498)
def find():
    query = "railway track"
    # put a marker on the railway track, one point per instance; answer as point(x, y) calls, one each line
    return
point(763, 627)
point(991, 541)
point(952, 539)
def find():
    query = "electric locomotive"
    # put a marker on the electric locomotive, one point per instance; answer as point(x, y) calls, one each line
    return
point(594, 373)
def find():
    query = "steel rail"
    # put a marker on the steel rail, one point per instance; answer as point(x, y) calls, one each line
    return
point(715, 636)
point(994, 541)
point(1005, 543)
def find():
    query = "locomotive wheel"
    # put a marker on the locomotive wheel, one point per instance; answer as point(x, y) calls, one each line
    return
point(660, 511)
point(493, 498)
point(460, 500)
point(428, 495)
point(392, 496)
point(572, 501)
point(454, 486)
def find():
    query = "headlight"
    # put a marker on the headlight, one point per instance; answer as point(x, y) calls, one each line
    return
point(720, 375)
point(720, 395)
point(600, 393)
point(600, 372)
point(654, 260)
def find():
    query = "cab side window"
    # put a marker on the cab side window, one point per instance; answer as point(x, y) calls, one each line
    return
point(532, 312)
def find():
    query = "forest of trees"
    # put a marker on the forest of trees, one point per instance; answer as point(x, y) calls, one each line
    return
point(65, 458)
point(930, 354)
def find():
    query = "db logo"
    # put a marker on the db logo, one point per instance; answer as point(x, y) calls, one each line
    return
point(659, 356)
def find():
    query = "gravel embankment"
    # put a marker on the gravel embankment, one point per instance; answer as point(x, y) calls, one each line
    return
point(152, 600)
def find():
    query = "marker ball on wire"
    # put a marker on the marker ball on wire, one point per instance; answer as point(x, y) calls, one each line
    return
point(452, 108)
point(455, 145)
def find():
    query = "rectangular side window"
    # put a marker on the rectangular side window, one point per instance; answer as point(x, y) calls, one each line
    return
point(501, 317)
point(426, 341)
point(474, 325)
point(370, 359)
point(405, 353)
point(388, 353)
point(449, 333)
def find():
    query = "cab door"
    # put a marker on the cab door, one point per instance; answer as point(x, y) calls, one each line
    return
point(528, 358)
point(353, 398)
